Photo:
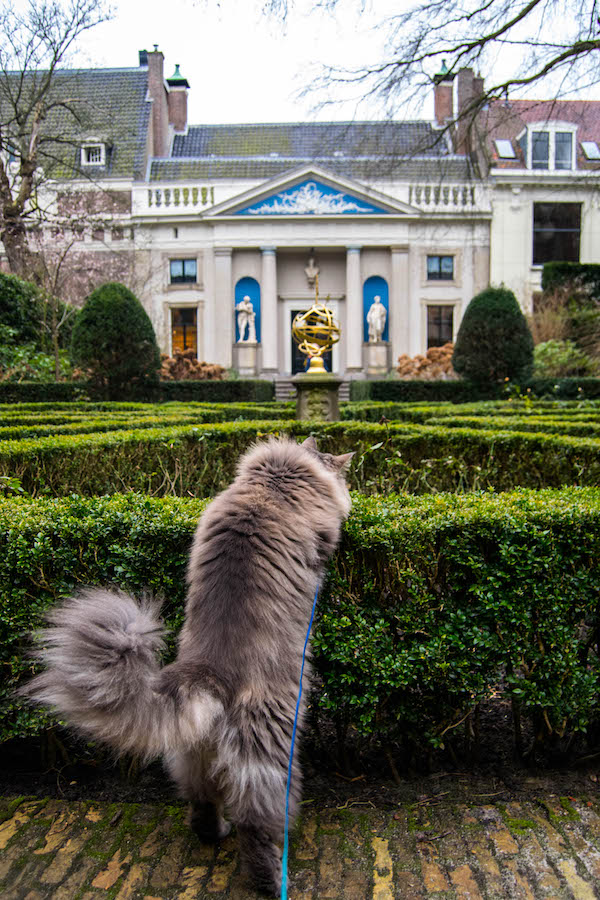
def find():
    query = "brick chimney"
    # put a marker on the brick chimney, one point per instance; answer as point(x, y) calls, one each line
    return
point(442, 96)
point(158, 95)
point(468, 88)
point(177, 100)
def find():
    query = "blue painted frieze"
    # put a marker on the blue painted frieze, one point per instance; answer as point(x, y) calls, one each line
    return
point(310, 198)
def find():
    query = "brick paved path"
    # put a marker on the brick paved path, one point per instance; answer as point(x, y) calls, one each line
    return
point(543, 847)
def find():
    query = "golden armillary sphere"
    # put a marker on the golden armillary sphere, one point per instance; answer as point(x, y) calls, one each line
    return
point(315, 332)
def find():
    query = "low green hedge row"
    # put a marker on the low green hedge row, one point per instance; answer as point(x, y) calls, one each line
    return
point(431, 603)
point(542, 424)
point(375, 411)
point(201, 459)
point(91, 425)
point(464, 392)
point(203, 391)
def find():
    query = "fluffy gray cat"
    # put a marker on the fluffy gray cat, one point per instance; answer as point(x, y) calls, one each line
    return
point(222, 714)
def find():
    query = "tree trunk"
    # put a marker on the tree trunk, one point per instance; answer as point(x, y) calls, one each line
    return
point(18, 252)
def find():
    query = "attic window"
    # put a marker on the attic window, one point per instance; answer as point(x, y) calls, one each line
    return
point(591, 149)
point(93, 155)
point(504, 149)
point(549, 146)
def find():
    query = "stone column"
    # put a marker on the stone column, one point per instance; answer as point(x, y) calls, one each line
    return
point(354, 312)
point(222, 336)
point(268, 295)
point(400, 304)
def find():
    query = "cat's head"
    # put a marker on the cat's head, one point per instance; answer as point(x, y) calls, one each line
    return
point(338, 464)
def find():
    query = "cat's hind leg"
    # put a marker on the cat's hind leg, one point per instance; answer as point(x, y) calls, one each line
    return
point(191, 771)
point(256, 795)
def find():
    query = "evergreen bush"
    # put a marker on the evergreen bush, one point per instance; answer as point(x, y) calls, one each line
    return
point(21, 309)
point(494, 343)
point(114, 342)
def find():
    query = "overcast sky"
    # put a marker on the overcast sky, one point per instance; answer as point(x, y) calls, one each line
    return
point(245, 67)
point(241, 66)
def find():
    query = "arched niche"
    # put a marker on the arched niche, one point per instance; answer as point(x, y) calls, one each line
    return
point(248, 287)
point(376, 286)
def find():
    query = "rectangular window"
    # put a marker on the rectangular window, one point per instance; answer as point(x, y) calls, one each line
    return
point(439, 325)
point(184, 329)
point(540, 150)
point(440, 268)
point(556, 232)
point(183, 271)
point(563, 150)
point(92, 155)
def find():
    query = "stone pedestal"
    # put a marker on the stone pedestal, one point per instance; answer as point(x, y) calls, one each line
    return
point(245, 358)
point(317, 397)
point(377, 357)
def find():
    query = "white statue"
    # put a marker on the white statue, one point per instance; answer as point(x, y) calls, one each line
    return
point(376, 319)
point(246, 321)
point(252, 328)
point(311, 271)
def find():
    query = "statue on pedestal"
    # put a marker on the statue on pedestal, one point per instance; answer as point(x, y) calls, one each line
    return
point(376, 318)
point(246, 321)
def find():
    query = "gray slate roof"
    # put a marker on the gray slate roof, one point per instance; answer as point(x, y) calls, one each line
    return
point(361, 150)
point(107, 104)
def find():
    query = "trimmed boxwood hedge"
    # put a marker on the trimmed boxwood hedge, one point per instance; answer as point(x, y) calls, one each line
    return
point(430, 603)
point(167, 391)
point(463, 392)
point(200, 460)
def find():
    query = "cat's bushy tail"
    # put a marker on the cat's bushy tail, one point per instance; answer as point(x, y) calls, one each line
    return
point(103, 677)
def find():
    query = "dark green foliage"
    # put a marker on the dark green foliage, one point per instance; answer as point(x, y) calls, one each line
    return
point(563, 275)
point(235, 391)
point(114, 341)
point(430, 604)
point(238, 391)
point(494, 343)
point(21, 309)
point(415, 391)
point(200, 459)
point(41, 392)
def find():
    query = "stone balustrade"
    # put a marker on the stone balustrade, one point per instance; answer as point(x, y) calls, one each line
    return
point(443, 197)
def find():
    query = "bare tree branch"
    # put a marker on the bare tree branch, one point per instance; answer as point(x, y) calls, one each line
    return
point(547, 40)
point(35, 43)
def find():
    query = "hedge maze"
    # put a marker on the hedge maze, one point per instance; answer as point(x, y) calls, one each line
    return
point(469, 565)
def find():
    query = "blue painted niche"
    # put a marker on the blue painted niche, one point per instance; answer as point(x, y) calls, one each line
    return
point(375, 286)
point(248, 287)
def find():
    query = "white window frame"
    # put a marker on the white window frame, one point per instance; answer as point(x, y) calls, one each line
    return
point(551, 128)
point(95, 145)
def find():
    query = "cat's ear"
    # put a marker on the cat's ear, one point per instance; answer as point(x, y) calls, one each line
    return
point(309, 443)
point(343, 462)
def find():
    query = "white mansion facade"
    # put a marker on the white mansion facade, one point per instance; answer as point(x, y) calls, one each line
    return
point(198, 218)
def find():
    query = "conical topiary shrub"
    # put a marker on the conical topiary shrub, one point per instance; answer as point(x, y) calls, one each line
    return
point(114, 342)
point(494, 342)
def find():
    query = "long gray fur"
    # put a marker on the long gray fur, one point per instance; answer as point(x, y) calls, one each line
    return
point(221, 715)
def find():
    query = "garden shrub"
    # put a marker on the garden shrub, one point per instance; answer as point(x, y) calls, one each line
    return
point(430, 602)
point(21, 309)
point(494, 343)
point(564, 274)
point(200, 459)
point(238, 391)
point(560, 359)
point(114, 342)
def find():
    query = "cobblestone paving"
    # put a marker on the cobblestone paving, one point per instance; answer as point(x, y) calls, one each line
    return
point(546, 846)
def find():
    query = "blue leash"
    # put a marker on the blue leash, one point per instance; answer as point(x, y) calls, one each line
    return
point(284, 858)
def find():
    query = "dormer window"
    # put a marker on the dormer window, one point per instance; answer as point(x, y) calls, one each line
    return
point(93, 155)
point(549, 146)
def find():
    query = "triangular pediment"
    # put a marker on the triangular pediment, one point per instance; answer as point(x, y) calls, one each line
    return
point(311, 191)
